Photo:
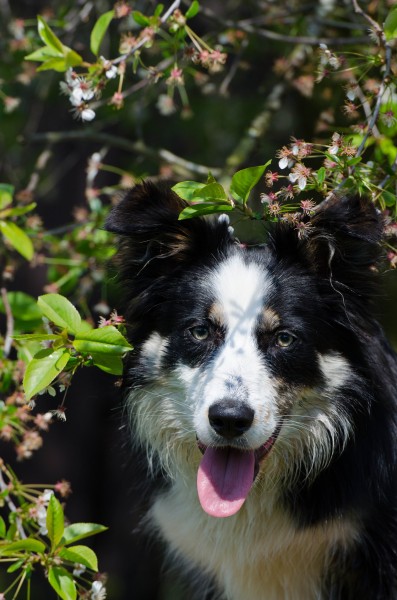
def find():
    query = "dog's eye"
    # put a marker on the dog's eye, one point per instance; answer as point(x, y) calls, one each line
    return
point(200, 332)
point(284, 339)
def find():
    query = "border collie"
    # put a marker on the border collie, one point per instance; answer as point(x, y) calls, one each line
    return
point(263, 388)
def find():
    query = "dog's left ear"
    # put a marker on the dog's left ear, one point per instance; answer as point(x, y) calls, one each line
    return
point(341, 243)
point(153, 241)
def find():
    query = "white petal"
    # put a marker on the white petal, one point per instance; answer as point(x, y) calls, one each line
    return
point(283, 162)
point(302, 183)
point(112, 72)
point(351, 95)
point(88, 94)
point(293, 177)
point(87, 114)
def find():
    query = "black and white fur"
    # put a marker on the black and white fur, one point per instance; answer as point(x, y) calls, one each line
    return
point(283, 333)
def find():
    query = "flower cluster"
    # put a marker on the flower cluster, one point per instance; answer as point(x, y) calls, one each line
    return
point(18, 423)
point(37, 539)
point(79, 91)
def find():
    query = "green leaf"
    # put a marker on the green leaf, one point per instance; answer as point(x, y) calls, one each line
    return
point(243, 181)
point(105, 340)
point(28, 545)
point(6, 194)
point(140, 18)
point(108, 363)
point(3, 528)
point(22, 210)
point(99, 30)
point(48, 36)
point(354, 161)
point(62, 582)
point(159, 9)
point(60, 311)
point(81, 555)
point(17, 238)
point(15, 566)
point(43, 54)
point(72, 59)
point(390, 25)
point(24, 307)
point(212, 192)
point(321, 173)
point(186, 189)
point(389, 198)
point(43, 369)
point(55, 521)
point(54, 64)
point(203, 209)
point(192, 10)
point(38, 337)
point(79, 531)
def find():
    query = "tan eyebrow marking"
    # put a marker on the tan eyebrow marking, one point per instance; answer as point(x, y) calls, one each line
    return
point(216, 314)
point(270, 319)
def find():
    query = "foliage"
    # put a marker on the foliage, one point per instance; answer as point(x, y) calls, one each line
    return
point(163, 73)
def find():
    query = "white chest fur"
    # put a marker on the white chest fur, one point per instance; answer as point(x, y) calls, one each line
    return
point(256, 554)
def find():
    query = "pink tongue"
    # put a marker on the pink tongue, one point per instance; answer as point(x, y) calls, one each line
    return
point(224, 478)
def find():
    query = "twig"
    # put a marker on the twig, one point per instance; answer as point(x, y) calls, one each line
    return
point(303, 39)
point(12, 507)
point(9, 322)
point(366, 107)
point(164, 64)
point(382, 89)
point(138, 147)
point(146, 38)
point(223, 89)
point(256, 129)
point(359, 11)
point(386, 179)
point(281, 37)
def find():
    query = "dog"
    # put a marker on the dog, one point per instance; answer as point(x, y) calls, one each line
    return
point(262, 387)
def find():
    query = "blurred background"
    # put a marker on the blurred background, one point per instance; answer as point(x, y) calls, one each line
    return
point(217, 118)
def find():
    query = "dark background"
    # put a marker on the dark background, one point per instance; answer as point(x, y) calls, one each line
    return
point(93, 449)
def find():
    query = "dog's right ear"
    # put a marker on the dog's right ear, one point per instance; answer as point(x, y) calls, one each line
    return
point(153, 242)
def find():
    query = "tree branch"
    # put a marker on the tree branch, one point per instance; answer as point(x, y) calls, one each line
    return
point(11, 506)
point(138, 147)
point(9, 322)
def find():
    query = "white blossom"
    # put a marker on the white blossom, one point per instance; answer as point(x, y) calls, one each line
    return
point(87, 114)
point(98, 591)
point(283, 162)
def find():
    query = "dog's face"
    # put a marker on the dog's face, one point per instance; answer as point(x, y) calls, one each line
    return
point(241, 353)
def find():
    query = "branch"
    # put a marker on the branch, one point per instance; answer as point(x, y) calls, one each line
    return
point(382, 89)
point(359, 11)
point(9, 322)
point(138, 147)
point(11, 506)
point(280, 37)
point(256, 129)
point(146, 38)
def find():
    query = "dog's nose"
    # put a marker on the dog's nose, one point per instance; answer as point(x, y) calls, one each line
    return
point(230, 419)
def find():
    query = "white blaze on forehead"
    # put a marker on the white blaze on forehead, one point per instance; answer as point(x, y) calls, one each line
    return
point(240, 289)
point(239, 371)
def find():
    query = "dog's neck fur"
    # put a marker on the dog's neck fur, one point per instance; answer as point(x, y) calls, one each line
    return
point(258, 553)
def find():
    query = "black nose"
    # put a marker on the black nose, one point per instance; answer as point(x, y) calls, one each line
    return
point(230, 419)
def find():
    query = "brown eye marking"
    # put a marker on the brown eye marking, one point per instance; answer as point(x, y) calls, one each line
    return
point(216, 314)
point(270, 319)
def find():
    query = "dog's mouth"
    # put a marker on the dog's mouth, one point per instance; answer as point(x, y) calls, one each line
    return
point(226, 474)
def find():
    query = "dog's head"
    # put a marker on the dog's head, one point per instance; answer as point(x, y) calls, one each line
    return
point(244, 353)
